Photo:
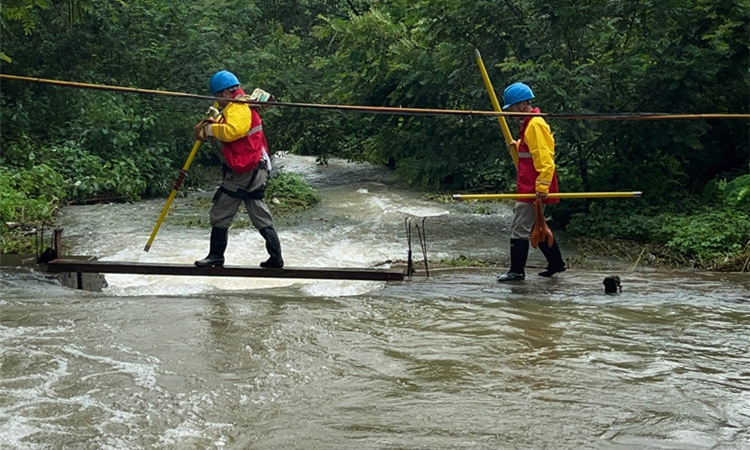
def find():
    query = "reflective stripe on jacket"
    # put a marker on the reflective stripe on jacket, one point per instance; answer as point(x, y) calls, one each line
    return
point(536, 159)
point(240, 130)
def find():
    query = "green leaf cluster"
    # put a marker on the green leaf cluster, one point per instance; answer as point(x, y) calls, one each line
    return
point(707, 234)
point(29, 196)
point(288, 193)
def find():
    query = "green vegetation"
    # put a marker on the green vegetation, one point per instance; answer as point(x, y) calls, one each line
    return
point(288, 193)
point(713, 235)
point(594, 56)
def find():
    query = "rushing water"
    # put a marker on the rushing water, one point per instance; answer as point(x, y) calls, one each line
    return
point(453, 361)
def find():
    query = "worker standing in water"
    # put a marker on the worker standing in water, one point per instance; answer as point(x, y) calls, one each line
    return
point(535, 174)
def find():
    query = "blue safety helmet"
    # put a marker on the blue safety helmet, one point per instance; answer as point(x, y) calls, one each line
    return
point(516, 93)
point(222, 80)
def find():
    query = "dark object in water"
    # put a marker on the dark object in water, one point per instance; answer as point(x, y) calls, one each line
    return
point(612, 285)
point(48, 255)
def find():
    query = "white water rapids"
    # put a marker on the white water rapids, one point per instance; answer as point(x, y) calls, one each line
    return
point(453, 361)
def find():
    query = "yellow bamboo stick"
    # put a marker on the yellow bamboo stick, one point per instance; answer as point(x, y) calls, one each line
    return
point(556, 195)
point(176, 187)
point(389, 109)
point(496, 106)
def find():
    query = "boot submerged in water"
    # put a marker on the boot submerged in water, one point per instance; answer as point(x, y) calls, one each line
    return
point(218, 245)
point(511, 276)
point(519, 252)
point(555, 262)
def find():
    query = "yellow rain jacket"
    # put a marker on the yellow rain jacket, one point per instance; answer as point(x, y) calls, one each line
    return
point(536, 159)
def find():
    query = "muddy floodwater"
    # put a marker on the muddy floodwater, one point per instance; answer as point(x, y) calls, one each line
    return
point(450, 361)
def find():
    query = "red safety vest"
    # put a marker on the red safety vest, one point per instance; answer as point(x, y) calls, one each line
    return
point(526, 174)
point(244, 154)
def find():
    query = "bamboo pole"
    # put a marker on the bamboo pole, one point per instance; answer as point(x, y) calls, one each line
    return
point(496, 106)
point(386, 109)
point(180, 177)
point(460, 197)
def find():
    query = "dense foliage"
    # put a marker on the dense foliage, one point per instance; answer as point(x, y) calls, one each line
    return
point(713, 232)
point(288, 193)
point(581, 56)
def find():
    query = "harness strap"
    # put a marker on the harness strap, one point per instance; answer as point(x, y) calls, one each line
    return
point(257, 194)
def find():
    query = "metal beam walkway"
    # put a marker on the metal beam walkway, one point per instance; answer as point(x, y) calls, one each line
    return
point(328, 273)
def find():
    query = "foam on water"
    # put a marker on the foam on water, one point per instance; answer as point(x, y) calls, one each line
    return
point(63, 392)
point(144, 374)
point(44, 374)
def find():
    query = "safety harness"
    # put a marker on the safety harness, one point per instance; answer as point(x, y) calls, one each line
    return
point(244, 194)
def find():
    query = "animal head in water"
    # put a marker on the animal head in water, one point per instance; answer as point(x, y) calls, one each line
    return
point(612, 284)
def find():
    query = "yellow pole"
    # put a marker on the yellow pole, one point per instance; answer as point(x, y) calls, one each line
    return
point(180, 177)
point(556, 195)
point(496, 106)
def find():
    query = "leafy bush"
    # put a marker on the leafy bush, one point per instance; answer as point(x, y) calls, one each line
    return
point(291, 185)
point(288, 192)
point(611, 221)
point(29, 196)
point(737, 193)
point(90, 177)
point(704, 234)
point(707, 235)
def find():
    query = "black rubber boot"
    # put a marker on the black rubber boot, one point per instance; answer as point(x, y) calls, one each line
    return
point(555, 262)
point(216, 250)
point(519, 253)
point(273, 246)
